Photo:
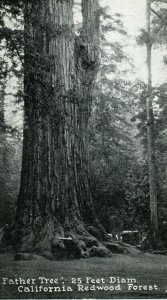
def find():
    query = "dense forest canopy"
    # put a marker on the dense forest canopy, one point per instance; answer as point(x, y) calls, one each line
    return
point(78, 74)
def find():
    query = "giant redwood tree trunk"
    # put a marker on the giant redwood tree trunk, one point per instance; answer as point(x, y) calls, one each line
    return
point(60, 70)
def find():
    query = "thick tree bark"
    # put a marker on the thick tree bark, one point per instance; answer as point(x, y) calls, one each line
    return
point(150, 135)
point(60, 70)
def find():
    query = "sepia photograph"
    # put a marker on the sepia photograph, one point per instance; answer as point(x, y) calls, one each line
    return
point(83, 149)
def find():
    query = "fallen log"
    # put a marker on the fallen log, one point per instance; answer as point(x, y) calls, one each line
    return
point(161, 252)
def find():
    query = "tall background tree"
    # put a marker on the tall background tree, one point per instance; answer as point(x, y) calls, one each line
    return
point(150, 131)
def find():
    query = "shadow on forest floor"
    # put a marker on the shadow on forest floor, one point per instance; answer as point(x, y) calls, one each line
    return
point(148, 270)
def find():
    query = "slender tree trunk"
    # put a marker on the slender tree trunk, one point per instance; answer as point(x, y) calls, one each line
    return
point(2, 110)
point(150, 134)
point(3, 152)
point(60, 70)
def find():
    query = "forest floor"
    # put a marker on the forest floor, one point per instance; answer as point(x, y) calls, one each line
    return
point(138, 273)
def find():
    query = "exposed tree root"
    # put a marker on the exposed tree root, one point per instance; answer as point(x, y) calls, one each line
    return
point(55, 242)
point(52, 240)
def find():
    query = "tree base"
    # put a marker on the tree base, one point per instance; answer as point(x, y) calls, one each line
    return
point(56, 242)
point(52, 240)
